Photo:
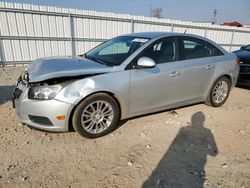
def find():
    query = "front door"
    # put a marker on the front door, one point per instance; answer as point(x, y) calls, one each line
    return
point(152, 88)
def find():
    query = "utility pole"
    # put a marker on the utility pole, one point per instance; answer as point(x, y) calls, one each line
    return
point(214, 16)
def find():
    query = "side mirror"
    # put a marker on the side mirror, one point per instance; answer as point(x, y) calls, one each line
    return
point(145, 62)
point(243, 47)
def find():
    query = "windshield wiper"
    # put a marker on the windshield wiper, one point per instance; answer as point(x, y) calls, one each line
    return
point(96, 60)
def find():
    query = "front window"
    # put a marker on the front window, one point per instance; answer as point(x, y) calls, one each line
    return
point(163, 51)
point(115, 51)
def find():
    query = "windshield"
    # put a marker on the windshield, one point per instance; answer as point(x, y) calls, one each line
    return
point(116, 50)
point(248, 47)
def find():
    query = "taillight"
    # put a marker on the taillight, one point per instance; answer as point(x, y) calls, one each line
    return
point(238, 61)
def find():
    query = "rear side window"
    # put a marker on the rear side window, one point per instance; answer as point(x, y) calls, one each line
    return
point(196, 48)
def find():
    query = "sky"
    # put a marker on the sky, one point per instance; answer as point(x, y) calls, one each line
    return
point(186, 10)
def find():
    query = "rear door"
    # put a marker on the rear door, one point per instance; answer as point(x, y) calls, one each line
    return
point(199, 63)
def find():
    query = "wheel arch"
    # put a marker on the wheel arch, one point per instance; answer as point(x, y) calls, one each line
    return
point(218, 77)
point(227, 76)
point(113, 95)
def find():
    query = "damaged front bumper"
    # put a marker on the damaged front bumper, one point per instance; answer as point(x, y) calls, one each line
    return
point(41, 114)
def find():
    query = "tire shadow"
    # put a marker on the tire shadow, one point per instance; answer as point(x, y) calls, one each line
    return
point(5, 94)
point(183, 163)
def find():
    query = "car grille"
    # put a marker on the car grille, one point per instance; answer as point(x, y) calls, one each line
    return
point(17, 93)
point(23, 79)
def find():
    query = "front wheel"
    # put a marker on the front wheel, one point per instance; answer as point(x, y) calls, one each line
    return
point(219, 92)
point(96, 116)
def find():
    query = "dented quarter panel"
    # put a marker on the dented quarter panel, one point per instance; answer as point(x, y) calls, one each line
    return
point(116, 83)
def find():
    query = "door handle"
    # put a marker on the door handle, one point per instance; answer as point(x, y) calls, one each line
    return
point(174, 74)
point(210, 66)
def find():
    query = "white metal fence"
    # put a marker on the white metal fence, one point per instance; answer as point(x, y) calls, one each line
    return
point(28, 32)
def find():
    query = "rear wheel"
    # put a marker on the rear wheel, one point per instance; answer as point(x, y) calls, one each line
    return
point(96, 116)
point(219, 92)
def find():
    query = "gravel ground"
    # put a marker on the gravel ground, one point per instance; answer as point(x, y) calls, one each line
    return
point(194, 146)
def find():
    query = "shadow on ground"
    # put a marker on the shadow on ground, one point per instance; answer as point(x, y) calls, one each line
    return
point(5, 94)
point(183, 163)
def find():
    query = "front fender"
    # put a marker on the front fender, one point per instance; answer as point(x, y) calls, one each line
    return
point(77, 90)
point(115, 83)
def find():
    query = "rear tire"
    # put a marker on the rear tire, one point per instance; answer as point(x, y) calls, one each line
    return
point(96, 116)
point(219, 92)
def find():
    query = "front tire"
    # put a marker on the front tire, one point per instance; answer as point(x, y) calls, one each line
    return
point(219, 92)
point(96, 116)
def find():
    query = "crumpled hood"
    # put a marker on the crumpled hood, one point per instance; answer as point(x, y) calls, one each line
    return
point(49, 68)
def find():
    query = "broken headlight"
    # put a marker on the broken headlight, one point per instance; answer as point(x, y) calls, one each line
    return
point(44, 92)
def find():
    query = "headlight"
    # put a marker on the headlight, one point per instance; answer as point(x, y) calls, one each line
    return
point(44, 92)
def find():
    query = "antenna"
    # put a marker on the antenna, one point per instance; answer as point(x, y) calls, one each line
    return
point(186, 29)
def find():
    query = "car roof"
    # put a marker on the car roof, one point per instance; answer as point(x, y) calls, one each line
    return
point(152, 35)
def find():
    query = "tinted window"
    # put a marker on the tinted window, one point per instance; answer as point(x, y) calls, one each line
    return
point(197, 48)
point(162, 51)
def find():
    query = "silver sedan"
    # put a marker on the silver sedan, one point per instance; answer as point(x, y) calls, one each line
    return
point(123, 77)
